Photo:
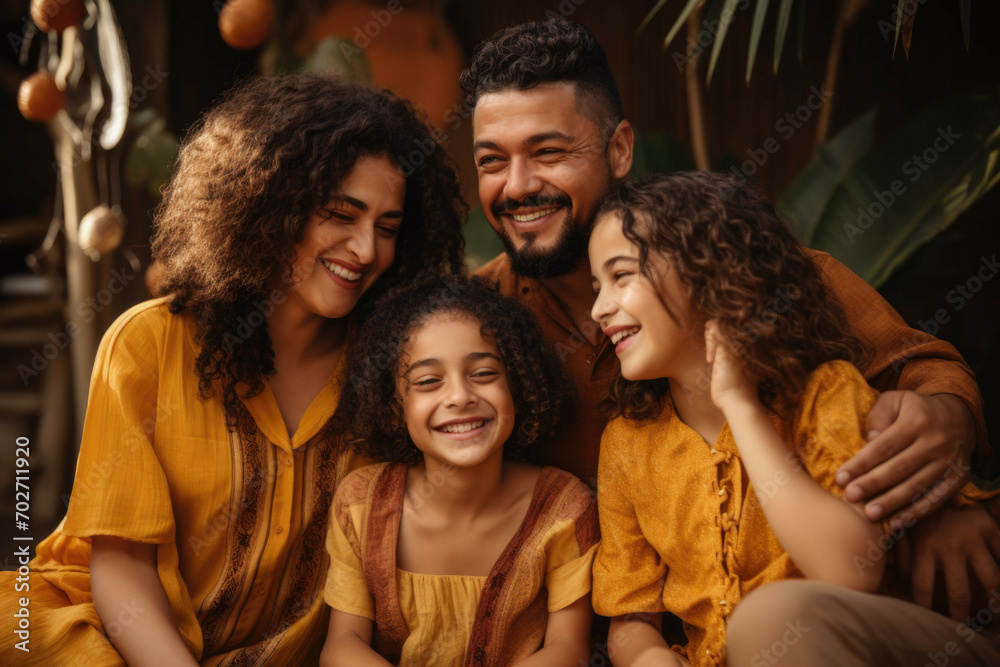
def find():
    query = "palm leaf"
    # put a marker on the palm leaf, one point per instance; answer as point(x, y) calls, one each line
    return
point(899, 27)
point(688, 8)
point(784, 14)
point(806, 199)
point(649, 17)
point(726, 18)
point(896, 198)
point(759, 14)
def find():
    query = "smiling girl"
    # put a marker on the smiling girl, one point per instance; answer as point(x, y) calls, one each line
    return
point(195, 529)
point(456, 552)
point(736, 404)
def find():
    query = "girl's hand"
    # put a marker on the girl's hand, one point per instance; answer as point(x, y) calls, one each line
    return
point(730, 382)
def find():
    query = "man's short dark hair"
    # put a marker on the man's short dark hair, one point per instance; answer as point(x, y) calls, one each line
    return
point(524, 56)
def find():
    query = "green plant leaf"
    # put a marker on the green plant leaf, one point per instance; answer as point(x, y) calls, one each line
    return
point(481, 243)
point(659, 153)
point(784, 14)
point(688, 8)
point(759, 14)
point(726, 18)
point(806, 199)
point(913, 185)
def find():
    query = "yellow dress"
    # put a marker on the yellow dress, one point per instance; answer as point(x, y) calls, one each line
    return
point(442, 620)
point(682, 528)
point(239, 519)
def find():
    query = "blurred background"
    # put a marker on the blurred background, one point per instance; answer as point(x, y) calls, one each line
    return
point(875, 126)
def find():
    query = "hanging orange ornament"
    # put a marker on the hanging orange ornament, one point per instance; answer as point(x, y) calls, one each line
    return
point(57, 15)
point(39, 99)
point(245, 24)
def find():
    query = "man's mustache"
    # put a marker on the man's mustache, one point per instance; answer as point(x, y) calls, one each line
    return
point(532, 201)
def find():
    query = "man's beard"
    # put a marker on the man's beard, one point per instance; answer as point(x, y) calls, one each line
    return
point(570, 248)
point(567, 254)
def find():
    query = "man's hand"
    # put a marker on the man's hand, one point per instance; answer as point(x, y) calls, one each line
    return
point(954, 540)
point(916, 459)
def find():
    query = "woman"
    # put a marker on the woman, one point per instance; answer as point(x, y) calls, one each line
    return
point(196, 526)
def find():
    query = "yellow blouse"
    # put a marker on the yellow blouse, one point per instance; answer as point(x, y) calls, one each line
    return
point(682, 529)
point(440, 611)
point(239, 518)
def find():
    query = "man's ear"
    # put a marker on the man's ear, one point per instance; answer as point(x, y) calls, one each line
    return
point(620, 150)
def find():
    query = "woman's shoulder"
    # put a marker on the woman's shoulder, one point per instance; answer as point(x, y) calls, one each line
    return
point(142, 319)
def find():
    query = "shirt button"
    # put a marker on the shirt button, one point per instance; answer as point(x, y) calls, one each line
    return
point(278, 530)
point(721, 491)
point(590, 358)
point(713, 450)
point(524, 290)
point(722, 602)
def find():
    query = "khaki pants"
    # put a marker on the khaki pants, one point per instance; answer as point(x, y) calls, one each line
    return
point(813, 624)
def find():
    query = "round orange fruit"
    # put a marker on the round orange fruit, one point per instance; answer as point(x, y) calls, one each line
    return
point(245, 24)
point(39, 99)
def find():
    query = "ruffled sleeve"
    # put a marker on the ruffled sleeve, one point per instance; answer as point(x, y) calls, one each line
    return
point(629, 575)
point(829, 420)
point(570, 551)
point(120, 488)
point(346, 588)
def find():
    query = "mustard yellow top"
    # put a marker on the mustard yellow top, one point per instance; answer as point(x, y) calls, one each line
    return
point(682, 529)
point(239, 518)
point(439, 611)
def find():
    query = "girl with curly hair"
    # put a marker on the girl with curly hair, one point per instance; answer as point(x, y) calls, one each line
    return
point(456, 551)
point(736, 403)
point(195, 529)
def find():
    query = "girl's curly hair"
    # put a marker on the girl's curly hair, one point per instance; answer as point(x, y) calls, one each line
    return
point(249, 175)
point(370, 407)
point(743, 267)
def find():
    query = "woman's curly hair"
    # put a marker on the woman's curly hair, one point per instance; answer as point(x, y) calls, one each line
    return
point(523, 56)
point(742, 267)
point(370, 406)
point(250, 174)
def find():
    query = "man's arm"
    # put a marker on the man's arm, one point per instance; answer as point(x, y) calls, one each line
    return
point(922, 434)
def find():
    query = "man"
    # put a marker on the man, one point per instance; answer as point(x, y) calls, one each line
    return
point(549, 138)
